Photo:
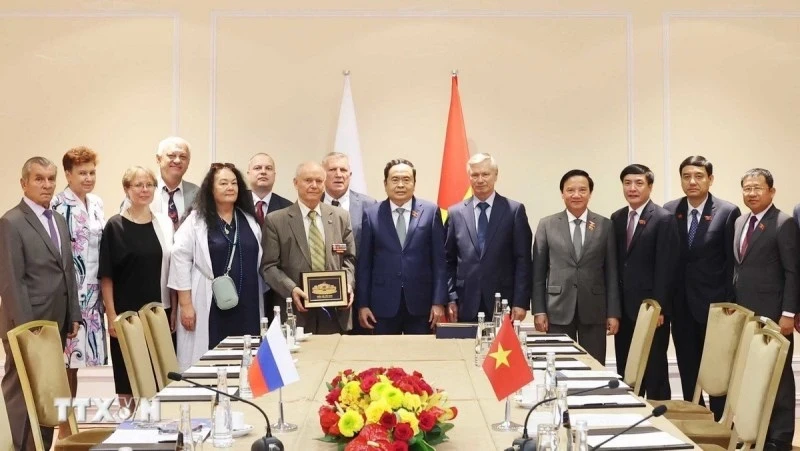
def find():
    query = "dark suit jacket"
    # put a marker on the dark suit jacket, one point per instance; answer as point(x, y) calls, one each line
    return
point(36, 281)
point(797, 213)
point(766, 279)
point(503, 266)
point(564, 284)
point(358, 203)
point(647, 269)
point(277, 202)
point(384, 268)
point(705, 272)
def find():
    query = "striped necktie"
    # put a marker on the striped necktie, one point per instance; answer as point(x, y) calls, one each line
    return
point(316, 244)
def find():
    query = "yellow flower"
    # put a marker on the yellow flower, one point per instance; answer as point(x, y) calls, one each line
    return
point(376, 392)
point(410, 418)
point(376, 409)
point(393, 396)
point(351, 394)
point(411, 401)
point(350, 423)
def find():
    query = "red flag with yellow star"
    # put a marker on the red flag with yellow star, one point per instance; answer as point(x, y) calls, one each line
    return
point(506, 365)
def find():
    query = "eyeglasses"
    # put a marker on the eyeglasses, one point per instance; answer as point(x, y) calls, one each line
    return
point(753, 189)
point(141, 186)
point(218, 166)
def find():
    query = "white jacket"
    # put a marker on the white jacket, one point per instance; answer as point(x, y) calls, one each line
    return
point(190, 269)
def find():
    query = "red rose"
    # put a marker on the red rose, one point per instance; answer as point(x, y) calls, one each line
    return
point(394, 374)
point(455, 412)
point(327, 419)
point(405, 386)
point(335, 381)
point(403, 432)
point(425, 387)
point(374, 432)
point(333, 396)
point(427, 420)
point(388, 420)
point(367, 382)
point(399, 446)
point(418, 374)
point(348, 372)
point(362, 444)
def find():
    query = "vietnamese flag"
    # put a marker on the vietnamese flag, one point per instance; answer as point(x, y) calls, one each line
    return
point(506, 366)
point(454, 183)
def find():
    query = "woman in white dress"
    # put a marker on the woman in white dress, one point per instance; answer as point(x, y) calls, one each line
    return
point(85, 219)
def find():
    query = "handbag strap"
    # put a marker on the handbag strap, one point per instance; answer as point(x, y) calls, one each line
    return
point(235, 241)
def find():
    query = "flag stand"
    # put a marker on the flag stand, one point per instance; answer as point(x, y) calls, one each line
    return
point(281, 425)
point(506, 425)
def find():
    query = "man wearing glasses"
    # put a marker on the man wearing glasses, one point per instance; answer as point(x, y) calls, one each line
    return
point(765, 280)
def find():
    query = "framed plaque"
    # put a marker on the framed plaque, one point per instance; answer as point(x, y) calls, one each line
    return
point(325, 289)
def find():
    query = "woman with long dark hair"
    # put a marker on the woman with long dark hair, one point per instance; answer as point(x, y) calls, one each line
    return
point(220, 236)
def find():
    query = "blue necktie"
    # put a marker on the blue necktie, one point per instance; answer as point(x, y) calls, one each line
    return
point(483, 224)
point(693, 227)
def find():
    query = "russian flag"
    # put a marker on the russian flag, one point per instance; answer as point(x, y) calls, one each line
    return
point(273, 366)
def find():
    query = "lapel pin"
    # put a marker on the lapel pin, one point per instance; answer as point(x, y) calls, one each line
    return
point(761, 226)
point(591, 225)
point(414, 213)
point(708, 218)
point(679, 215)
point(642, 222)
point(330, 221)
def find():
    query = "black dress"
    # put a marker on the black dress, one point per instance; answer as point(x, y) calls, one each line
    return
point(130, 254)
point(242, 319)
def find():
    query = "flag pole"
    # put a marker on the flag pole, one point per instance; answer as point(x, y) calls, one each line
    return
point(507, 425)
point(282, 425)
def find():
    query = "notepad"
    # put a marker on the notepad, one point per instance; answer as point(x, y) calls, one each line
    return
point(189, 394)
point(640, 441)
point(555, 349)
point(578, 374)
point(128, 433)
point(603, 401)
point(211, 371)
point(561, 364)
point(578, 384)
point(593, 420)
point(549, 338)
point(224, 354)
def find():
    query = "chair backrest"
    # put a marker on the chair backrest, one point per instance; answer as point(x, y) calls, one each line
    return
point(6, 443)
point(750, 329)
point(130, 333)
point(641, 342)
point(723, 334)
point(765, 360)
point(39, 357)
point(159, 341)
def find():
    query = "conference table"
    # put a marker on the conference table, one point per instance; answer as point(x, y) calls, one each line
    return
point(447, 364)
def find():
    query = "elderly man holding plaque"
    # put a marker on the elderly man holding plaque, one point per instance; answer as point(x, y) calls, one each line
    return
point(309, 255)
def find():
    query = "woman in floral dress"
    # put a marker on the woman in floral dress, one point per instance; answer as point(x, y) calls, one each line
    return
point(85, 219)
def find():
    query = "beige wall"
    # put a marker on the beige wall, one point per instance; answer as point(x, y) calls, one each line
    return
point(546, 86)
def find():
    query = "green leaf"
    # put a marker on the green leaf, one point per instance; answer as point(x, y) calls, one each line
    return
point(421, 445)
point(328, 384)
point(445, 427)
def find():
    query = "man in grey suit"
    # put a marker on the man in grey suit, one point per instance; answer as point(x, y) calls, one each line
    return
point(575, 288)
point(766, 280)
point(37, 281)
point(309, 236)
point(338, 192)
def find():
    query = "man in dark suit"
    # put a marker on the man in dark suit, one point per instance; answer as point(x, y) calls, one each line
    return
point(261, 178)
point(37, 281)
point(705, 271)
point(647, 251)
point(401, 269)
point(309, 236)
point(487, 248)
point(338, 194)
point(766, 280)
point(575, 283)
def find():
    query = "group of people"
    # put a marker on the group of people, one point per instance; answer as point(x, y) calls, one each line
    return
point(406, 268)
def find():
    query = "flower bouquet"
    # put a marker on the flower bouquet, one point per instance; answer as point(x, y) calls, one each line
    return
point(384, 409)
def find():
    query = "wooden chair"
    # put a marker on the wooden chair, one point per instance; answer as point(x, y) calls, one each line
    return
point(641, 342)
point(710, 431)
point(39, 356)
point(723, 334)
point(132, 341)
point(159, 341)
point(764, 364)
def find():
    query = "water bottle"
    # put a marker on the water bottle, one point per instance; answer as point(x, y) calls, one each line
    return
point(560, 405)
point(516, 327)
point(223, 428)
point(247, 359)
point(291, 323)
point(264, 327)
point(497, 314)
point(581, 433)
point(569, 439)
point(506, 308)
point(185, 441)
point(479, 352)
point(550, 375)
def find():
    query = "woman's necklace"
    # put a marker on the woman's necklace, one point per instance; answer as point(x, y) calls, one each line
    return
point(148, 217)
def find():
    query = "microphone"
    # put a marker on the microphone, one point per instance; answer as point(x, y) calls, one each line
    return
point(266, 443)
point(657, 412)
point(524, 443)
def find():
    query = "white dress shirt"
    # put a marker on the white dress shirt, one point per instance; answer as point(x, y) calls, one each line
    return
point(265, 199)
point(344, 201)
point(477, 210)
point(307, 221)
point(163, 198)
point(638, 215)
point(406, 213)
point(39, 211)
point(699, 209)
point(572, 219)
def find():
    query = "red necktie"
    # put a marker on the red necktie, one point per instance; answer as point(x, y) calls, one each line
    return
point(260, 212)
